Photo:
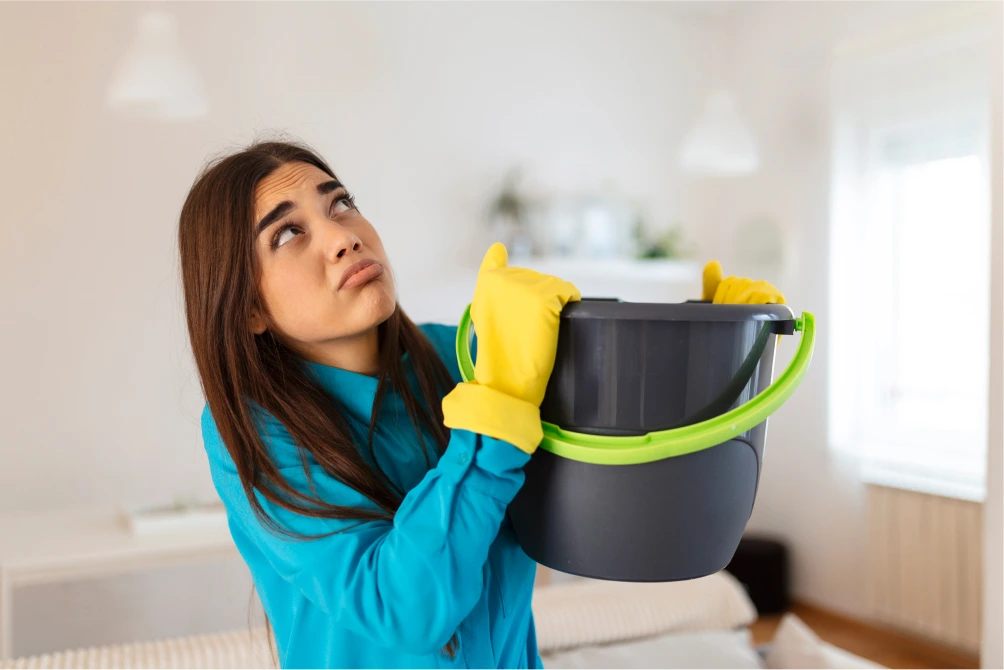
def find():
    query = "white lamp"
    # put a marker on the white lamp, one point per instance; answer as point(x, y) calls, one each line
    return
point(155, 79)
point(721, 144)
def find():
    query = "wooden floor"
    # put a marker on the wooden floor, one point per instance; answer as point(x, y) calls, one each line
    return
point(885, 647)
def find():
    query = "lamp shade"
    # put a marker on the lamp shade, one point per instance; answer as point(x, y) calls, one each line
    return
point(720, 144)
point(155, 79)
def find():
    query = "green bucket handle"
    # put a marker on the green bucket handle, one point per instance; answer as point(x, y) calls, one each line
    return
point(635, 449)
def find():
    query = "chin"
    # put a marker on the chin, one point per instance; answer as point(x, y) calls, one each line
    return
point(378, 304)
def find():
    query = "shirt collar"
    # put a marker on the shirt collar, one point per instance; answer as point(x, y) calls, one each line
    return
point(353, 390)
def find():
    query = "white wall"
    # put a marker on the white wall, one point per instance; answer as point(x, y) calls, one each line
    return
point(420, 108)
point(992, 652)
point(809, 495)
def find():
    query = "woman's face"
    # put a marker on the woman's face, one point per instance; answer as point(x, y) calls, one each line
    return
point(324, 272)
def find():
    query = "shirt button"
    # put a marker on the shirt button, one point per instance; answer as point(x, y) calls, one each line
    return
point(464, 457)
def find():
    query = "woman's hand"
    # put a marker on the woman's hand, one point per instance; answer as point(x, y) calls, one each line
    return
point(515, 314)
point(737, 290)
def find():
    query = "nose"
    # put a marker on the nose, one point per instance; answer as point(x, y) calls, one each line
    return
point(340, 242)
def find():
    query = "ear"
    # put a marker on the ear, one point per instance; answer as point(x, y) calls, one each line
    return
point(257, 322)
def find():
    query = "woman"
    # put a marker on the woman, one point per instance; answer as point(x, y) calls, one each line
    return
point(365, 486)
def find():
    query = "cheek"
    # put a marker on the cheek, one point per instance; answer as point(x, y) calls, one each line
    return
point(292, 295)
point(370, 238)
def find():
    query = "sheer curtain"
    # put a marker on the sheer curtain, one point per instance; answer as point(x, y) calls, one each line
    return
point(910, 231)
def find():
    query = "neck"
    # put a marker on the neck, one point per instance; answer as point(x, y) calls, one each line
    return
point(357, 353)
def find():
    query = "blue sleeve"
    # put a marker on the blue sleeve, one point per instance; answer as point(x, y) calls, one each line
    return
point(407, 583)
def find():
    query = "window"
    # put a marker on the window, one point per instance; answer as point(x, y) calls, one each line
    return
point(909, 274)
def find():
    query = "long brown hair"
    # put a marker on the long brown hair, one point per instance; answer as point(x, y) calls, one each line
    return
point(239, 369)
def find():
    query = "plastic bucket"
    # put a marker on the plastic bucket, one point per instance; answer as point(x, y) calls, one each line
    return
point(654, 423)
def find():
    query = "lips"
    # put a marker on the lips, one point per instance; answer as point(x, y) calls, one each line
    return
point(360, 273)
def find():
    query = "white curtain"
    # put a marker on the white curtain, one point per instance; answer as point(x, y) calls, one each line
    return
point(909, 284)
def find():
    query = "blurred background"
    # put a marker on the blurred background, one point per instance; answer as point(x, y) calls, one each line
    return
point(847, 152)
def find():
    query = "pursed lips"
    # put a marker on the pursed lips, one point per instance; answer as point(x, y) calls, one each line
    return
point(361, 266)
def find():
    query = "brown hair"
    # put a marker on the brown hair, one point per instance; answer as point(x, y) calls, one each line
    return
point(237, 368)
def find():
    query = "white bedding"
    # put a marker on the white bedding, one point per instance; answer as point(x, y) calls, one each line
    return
point(794, 646)
point(703, 649)
point(696, 624)
point(589, 612)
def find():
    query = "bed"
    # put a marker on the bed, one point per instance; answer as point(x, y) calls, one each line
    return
point(701, 623)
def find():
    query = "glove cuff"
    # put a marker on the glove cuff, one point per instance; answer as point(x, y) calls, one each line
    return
point(480, 409)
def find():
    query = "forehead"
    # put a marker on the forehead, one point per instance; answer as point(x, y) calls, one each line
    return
point(290, 181)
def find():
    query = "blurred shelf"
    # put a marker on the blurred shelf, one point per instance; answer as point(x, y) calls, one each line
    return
point(656, 270)
point(441, 298)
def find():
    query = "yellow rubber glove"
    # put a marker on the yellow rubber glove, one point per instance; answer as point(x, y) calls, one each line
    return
point(737, 290)
point(515, 314)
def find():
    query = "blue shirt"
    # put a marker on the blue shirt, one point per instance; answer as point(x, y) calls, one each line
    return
point(391, 593)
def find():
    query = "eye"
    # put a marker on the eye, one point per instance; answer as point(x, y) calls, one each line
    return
point(280, 235)
point(343, 203)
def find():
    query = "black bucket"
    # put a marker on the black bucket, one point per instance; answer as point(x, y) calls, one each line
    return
point(655, 419)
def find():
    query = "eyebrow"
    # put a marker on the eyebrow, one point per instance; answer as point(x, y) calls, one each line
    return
point(284, 207)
